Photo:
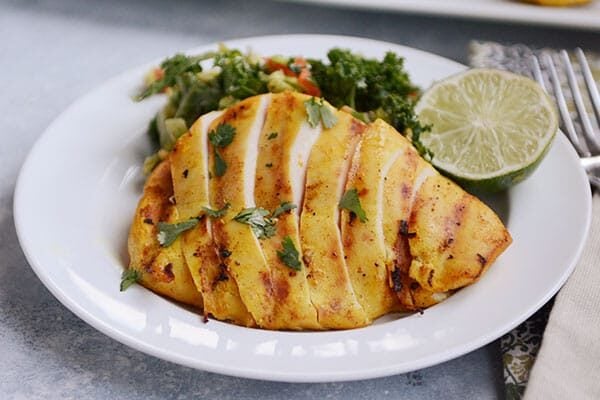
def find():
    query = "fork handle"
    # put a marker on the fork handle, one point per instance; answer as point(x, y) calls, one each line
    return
point(592, 167)
point(590, 163)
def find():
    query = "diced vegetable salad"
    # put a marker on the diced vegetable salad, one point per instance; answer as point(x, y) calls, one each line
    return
point(368, 88)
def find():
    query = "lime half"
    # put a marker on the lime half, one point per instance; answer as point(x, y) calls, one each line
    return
point(490, 128)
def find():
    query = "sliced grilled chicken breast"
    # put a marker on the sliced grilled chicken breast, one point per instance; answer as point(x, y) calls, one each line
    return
point(284, 147)
point(423, 236)
point(245, 261)
point(330, 286)
point(190, 175)
point(162, 269)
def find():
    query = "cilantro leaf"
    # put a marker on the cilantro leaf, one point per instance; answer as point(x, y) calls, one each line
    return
point(128, 278)
point(327, 116)
point(289, 255)
point(220, 165)
point(222, 136)
point(216, 213)
point(272, 135)
point(256, 217)
point(283, 207)
point(312, 111)
point(168, 233)
point(317, 110)
point(351, 202)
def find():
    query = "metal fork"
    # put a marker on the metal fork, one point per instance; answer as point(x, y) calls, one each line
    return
point(585, 140)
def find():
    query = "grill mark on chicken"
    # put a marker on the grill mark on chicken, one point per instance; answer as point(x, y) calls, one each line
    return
point(168, 271)
point(396, 280)
point(481, 260)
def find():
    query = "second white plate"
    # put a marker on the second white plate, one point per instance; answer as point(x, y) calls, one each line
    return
point(79, 186)
point(579, 17)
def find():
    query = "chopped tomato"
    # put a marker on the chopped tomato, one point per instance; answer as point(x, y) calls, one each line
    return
point(158, 73)
point(307, 84)
point(275, 66)
point(300, 70)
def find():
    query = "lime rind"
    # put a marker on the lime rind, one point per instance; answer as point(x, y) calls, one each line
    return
point(490, 128)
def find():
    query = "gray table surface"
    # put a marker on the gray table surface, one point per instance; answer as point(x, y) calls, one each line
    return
point(51, 53)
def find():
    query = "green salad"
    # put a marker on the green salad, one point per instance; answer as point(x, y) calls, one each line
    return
point(198, 84)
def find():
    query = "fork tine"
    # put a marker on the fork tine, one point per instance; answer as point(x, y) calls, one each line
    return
point(584, 118)
point(579, 145)
point(537, 72)
point(589, 82)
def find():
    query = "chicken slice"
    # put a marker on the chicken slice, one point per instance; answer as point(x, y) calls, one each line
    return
point(284, 147)
point(162, 269)
point(189, 171)
point(364, 241)
point(397, 202)
point(401, 183)
point(456, 237)
point(330, 286)
point(245, 260)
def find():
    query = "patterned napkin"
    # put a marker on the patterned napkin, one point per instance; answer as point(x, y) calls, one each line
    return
point(521, 346)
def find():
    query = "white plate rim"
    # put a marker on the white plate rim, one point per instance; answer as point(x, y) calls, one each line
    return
point(579, 17)
point(310, 376)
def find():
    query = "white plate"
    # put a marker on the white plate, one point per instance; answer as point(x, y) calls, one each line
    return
point(581, 17)
point(77, 192)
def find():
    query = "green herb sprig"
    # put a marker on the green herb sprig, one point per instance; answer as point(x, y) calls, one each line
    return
point(168, 233)
point(258, 220)
point(221, 137)
point(351, 202)
point(317, 110)
point(216, 213)
point(128, 278)
point(289, 254)
point(283, 207)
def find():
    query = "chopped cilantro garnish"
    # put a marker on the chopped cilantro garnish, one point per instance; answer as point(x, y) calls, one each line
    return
point(222, 136)
point(312, 112)
point(168, 233)
point(317, 110)
point(216, 213)
point(256, 218)
point(351, 202)
point(327, 116)
point(283, 207)
point(220, 165)
point(128, 278)
point(272, 135)
point(289, 255)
